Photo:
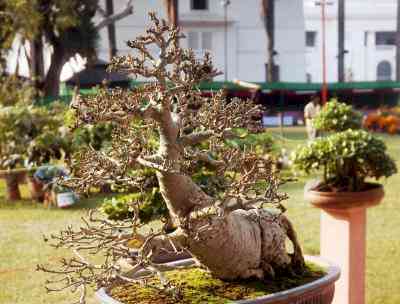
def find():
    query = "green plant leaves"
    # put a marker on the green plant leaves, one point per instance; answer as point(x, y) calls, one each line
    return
point(337, 117)
point(346, 158)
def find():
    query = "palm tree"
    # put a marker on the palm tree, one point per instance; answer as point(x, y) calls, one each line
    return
point(268, 16)
point(341, 39)
point(398, 43)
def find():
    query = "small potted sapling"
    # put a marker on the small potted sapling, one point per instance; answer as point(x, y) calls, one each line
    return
point(347, 158)
point(236, 235)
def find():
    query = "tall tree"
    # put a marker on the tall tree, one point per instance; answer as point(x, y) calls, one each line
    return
point(68, 27)
point(268, 16)
point(341, 40)
point(398, 43)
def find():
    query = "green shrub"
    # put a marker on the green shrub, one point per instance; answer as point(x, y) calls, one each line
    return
point(336, 117)
point(152, 206)
point(261, 142)
point(19, 126)
point(346, 159)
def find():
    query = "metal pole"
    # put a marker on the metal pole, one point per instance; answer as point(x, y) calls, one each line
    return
point(341, 40)
point(324, 84)
point(226, 3)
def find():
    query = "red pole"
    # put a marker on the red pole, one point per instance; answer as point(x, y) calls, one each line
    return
point(324, 84)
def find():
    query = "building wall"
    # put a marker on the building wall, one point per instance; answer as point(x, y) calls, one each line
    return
point(363, 19)
point(247, 42)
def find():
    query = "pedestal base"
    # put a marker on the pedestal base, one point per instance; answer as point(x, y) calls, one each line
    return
point(343, 241)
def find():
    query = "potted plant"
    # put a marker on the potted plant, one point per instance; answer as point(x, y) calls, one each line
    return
point(22, 128)
point(347, 158)
point(228, 233)
point(13, 140)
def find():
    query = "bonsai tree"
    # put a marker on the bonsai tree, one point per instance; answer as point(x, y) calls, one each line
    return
point(228, 232)
point(348, 156)
point(337, 117)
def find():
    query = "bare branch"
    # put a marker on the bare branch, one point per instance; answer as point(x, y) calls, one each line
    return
point(128, 10)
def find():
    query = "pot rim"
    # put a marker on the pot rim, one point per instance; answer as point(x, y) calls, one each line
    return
point(332, 275)
point(344, 201)
point(311, 185)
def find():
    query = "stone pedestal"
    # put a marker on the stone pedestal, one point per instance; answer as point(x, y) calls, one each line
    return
point(343, 236)
point(343, 241)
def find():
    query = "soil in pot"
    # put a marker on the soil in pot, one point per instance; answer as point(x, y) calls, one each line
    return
point(195, 286)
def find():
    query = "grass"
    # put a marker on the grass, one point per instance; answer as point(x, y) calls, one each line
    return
point(23, 223)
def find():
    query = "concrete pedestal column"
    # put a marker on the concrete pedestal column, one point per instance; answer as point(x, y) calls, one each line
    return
point(343, 241)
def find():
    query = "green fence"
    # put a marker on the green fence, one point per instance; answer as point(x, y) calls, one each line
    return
point(295, 87)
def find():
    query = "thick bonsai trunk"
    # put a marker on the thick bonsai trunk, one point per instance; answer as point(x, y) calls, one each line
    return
point(241, 244)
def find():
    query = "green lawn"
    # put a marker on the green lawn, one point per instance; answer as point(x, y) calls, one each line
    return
point(22, 225)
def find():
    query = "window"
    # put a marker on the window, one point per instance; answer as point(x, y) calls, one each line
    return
point(200, 41)
point(199, 4)
point(385, 38)
point(311, 38)
point(384, 71)
point(308, 78)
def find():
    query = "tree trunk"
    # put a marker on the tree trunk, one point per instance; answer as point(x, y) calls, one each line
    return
point(112, 43)
point(52, 80)
point(268, 15)
point(36, 57)
point(398, 43)
point(341, 40)
point(37, 63)
point(240, 244)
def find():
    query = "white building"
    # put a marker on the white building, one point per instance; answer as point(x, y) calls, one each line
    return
point(369, 40)
point(204, 25)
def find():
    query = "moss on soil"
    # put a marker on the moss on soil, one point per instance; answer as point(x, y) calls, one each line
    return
point(197, 286)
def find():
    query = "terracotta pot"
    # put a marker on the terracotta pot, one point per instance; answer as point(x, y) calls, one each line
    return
point(13, 178)
point(337, 201)
point(320, 291)
point(36, 189)
point(12, 189)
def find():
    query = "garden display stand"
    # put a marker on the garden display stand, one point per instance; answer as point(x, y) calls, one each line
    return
point(343, 237)
point(12, 179)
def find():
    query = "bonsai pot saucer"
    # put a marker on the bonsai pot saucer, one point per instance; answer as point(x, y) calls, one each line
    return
point(320, 291)
point(344, 201)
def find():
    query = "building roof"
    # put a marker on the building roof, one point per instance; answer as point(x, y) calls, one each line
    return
point(96, 74)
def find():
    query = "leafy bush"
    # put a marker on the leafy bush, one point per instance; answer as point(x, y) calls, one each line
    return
point(261, 142)
point(15, 91)
point(336, 117)
point(47, 146)
point(19, 126)
point(96, 136)
point(152, 206)
point(347, 159)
